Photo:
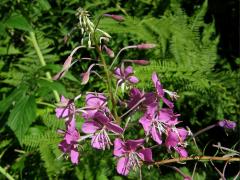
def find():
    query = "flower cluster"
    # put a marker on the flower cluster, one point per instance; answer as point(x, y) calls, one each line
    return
point(103, 125)
point(157, 122)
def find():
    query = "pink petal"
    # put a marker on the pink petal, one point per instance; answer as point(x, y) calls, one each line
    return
point(89, 114)
point(146, 154)
point(183, 133)
point(63, 146)
point(117, 72)
point(156, 135)
point(123, 166)
point(95, 100)
point(64, 100)
point(114, 128)
point(128, 71)
point(99, 141)
point(133, 144)
point(101, 118)
point(182, 152)
point(172, 139)
point(133, 79)
point(167, 102)
point(72, 137)
point(146, 123)
point(157, 85)
point(90, 127)
point(119, 148)
point(62, 112)
point(74, 154)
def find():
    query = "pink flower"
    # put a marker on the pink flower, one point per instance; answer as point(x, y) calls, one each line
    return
point(157, 122)
point(125, 75)
point(99, 127)
point(227, 124)
point(66, 108)
point(69, 145)
point(130, 153)
point(175, 139)
point(160, 91)
point(94, 102)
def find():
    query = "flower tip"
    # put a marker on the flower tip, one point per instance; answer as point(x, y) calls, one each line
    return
point(109, 52)
point(115, 17)
point(139, 62)
point(146, 46)
point(227, 124)
point(85, 78)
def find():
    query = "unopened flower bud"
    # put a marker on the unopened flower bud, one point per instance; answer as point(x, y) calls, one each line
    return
point(115, 17)
point(109, 51)
point(227, 124)
point(85, 77)
point(140, 62)
point(65, 68)
point(187, 178)
point(146, 46)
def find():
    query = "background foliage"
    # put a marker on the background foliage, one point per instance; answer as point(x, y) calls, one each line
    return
point(186, 58)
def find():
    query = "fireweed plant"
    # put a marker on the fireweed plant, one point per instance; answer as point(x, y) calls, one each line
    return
point(107, 114)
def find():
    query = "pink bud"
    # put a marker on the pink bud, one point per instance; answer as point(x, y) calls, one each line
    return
point(109, 51)
point(67, 63)
point(140, 62)
point(85, 77)
point(65, 68)
point(146, 46)
point(115, 17)
point(187, 178)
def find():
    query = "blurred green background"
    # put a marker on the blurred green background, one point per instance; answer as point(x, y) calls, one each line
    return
point(197, 55)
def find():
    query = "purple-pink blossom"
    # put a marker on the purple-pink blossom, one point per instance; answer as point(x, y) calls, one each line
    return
point(69, 145)
point(160, 90)
point(175, 139)
point(99, 127)
point(125, 75)
point(94, 102)
point(227, 124)
point(142, 99)
point(130, 153)
point(156, 122)
point(65, 109)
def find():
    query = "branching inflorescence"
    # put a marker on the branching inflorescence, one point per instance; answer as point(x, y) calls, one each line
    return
point(105, 113)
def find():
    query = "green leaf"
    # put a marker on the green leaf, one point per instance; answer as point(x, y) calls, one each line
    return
point(44, 4)
point(22, 116)
point(9, 50)
point(13, 98)
point(47, 86)
point(19, 22)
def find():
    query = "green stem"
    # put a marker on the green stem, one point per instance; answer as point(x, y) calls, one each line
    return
point(109, 82)
point(5, 173)
point(42, 61)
